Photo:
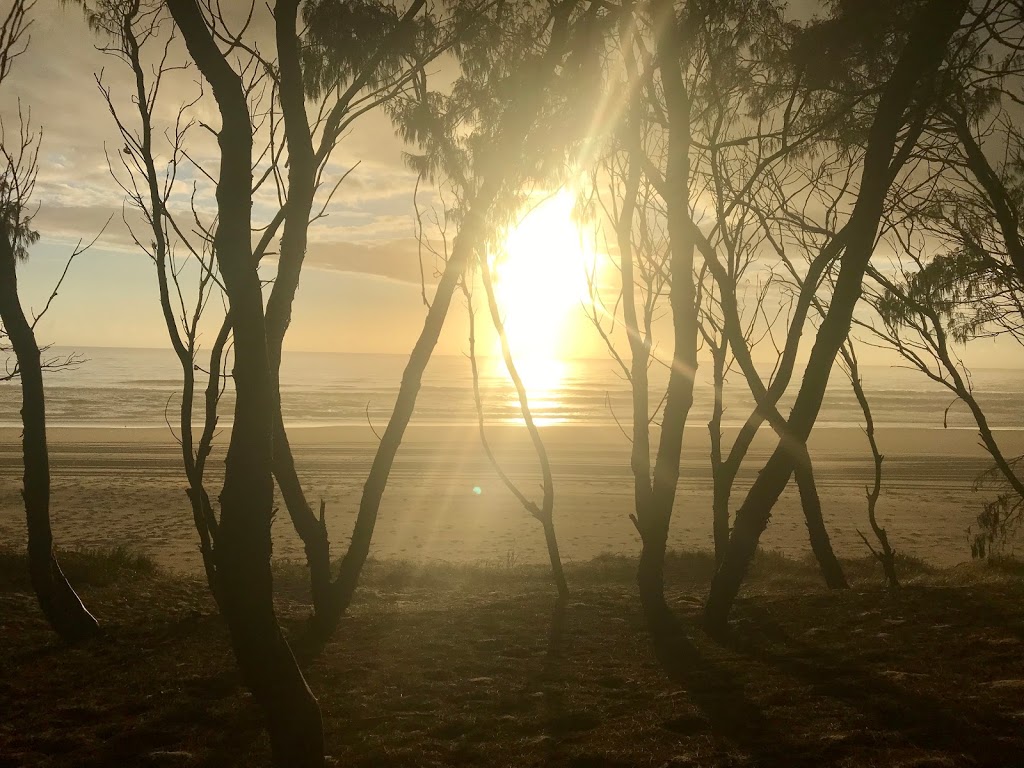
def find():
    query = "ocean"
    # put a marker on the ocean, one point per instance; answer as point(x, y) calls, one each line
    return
point(122, 387)
point(444, 501)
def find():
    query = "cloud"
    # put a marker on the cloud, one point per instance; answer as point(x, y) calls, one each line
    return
point(393, 259)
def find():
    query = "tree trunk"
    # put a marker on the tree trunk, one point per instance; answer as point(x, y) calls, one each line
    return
point(672, 51)
point(930, 32)
point(887, 557)
point(557, 572)
point(720, 513)
point(302, 166)
point(345, 584)
point(61, 605)
point(721, 475)
point(243, 538)
point(810, 502)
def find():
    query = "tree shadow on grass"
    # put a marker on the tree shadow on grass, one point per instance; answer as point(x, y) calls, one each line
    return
point(917, 717)
point(559, 722)
point(734, 720)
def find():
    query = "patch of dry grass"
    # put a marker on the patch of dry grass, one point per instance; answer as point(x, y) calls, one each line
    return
point(474, 665)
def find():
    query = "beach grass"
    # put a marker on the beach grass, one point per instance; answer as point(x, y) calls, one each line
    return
point(442, 664)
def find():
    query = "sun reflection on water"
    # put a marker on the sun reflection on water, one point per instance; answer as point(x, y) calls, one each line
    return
point(540, 282)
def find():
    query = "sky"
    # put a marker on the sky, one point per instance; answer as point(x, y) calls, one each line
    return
point(360, 289)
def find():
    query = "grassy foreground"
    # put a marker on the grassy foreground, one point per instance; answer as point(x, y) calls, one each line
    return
point(448, 665)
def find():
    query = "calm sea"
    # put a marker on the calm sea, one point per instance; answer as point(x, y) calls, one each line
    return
point(138, 387)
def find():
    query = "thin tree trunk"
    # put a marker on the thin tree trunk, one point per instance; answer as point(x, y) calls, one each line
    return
point(930, 32)
point(193, 457)
point(546, 513)
point(303, 164)
point(721, 480)
point(244, 541)
point(887, 557)
point(470, 238)
point(302, 167)
point(557, 572)
point(639, 343)
point(344, 586)
point(671, 51)
point(58, 600)
point(810, 502)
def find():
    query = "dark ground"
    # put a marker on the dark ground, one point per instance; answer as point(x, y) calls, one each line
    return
point(474, 666)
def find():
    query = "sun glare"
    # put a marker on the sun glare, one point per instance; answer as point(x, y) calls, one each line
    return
point(540, 281)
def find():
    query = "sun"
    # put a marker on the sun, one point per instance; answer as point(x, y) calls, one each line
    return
point(540, 283)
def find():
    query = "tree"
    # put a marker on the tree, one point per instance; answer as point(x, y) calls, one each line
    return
point(130, 26)
point(707, 112)
point(885, 555)
point(243, 547)
point(904, 99)
point(345, 82)
point(543, 513)
point(20, 153)
point(958, 272)
point(481, 136)
point(354, 57)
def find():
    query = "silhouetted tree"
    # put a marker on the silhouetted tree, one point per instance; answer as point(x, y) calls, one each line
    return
point(130, 26)
point(919, 321)
point(354, 58)
point(905, 99)
point(701, 128)
point(485, 137)
point(544, 513)
point(885, 555)
point(958, 272)
point(19, 154)
point(243, 546)
point(345, 80)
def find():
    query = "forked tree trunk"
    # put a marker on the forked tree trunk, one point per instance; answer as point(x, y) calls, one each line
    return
point(303, 164)
point(518, 123)
point(766, 408)
point(61, 605)
point(810, 502)
point(244, 541)
point(930, 32)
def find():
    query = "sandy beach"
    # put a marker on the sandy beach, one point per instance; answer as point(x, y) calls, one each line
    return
point(444, 502)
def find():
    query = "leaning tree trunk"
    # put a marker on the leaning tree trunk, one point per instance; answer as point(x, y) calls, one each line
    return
point(344, 586)
point(61, 605)
point(514, 133)
point(810, 502)
point(931, 30)
point(303, 165)
point(244, 541)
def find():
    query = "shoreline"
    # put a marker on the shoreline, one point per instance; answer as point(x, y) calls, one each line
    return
point(824, 437)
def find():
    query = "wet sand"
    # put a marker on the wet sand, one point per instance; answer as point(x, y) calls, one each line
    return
point(125, 486)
